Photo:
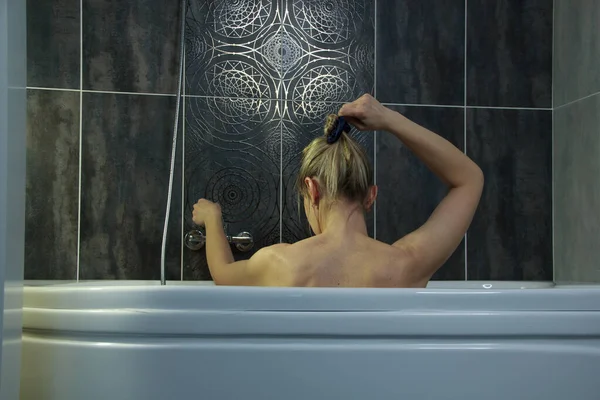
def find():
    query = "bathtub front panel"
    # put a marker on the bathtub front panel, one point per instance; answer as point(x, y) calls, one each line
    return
point(311, 367)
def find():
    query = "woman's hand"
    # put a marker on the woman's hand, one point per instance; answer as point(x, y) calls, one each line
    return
point(367, 114)
point(205, 210)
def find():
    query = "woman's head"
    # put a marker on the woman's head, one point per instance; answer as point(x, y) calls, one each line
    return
point(335, 172)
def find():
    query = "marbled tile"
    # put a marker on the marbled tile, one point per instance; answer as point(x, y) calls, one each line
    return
point(232, 157)
point(509, 53)
point(303, 122)
point(408, 191)
point(421, 51)
point(233, 48)
point(327, 49)
point(577, 192)
point(53, 43)
point(511, 235)
point(125, 174)
point(131, 46)
point(52, 185)
point(576, 50)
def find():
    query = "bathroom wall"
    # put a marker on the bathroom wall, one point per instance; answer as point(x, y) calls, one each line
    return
point(577, 142)
point(260, 77)
point(101, 103)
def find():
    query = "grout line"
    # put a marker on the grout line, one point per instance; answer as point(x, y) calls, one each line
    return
point(552, 201)
point(422, 105)
point(314, 101)
point(130, 93)
point(552, 66)
point(281, 106)
point(281, 101)
point(375, 133)
point(100, 91)
point(512, 108)
point(80, 138)
point(281, 172)
point(576, 101)
point(465, 106)
point(465, 124)
point(183, 165)
point(552, 155)
point(53, 89)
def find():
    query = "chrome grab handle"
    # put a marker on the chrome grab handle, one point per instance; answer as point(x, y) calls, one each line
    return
point(196, 240)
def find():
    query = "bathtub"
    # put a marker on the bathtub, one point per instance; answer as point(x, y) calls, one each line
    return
point(453, 340)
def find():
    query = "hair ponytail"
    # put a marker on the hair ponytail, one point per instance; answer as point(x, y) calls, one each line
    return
point(342, 168)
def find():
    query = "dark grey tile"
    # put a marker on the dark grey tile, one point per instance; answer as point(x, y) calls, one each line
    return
point(53, 43)
point(421, 51)
point(327, 49)
point(232, 157)
point(511, 235)
point(408, 191)
point(232, 48)
point(52, 185)
point(131, 46)
point(577, 192)
point(303, 122)
point(125, 175)
point(509, 53)
point(576, 50)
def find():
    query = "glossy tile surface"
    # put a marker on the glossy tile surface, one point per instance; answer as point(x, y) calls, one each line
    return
point(52, 185)
point(263, 75)
point(269, 49)
point(233, 48)
point(232, 157)
point(131, 46)
point(420, 51)
point(408, 191)
point(509, 53)
point(125, 171)
point(53, 43)
point(328, 49)
point(577, 192)
point(576, 50)
point(511, 235)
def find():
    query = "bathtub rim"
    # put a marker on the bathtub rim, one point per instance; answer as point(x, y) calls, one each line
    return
point(151, 295)
point(456, 284)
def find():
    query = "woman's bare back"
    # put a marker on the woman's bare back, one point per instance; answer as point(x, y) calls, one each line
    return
point(354, 260)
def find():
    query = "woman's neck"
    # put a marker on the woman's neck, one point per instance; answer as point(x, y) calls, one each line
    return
point(344, 217)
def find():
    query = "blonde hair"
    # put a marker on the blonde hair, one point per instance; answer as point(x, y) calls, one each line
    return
point(342, 168)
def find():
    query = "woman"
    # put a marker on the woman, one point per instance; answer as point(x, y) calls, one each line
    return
point(336, 183)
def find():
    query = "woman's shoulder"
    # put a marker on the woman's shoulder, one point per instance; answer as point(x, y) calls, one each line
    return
point(271, 251)
point(273, 255)
point(286, 254)
point(274, 263)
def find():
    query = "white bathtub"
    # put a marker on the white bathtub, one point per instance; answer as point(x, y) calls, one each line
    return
point(456, 340)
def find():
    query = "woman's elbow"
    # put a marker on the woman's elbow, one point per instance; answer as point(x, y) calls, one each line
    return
point(479, 176)
point(476, 177)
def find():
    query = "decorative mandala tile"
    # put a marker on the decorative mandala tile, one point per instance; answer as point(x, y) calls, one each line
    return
point(308, 50)
point(335, 42)
point(232, 157)
point(227, 48)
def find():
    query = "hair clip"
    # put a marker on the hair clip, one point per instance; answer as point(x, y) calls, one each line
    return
point(341, 125)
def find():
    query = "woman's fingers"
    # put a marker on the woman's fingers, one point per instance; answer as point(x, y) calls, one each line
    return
point(351, 110)
point(356, 123)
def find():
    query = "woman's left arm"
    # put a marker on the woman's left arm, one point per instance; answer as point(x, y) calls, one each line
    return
point(223, 267)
